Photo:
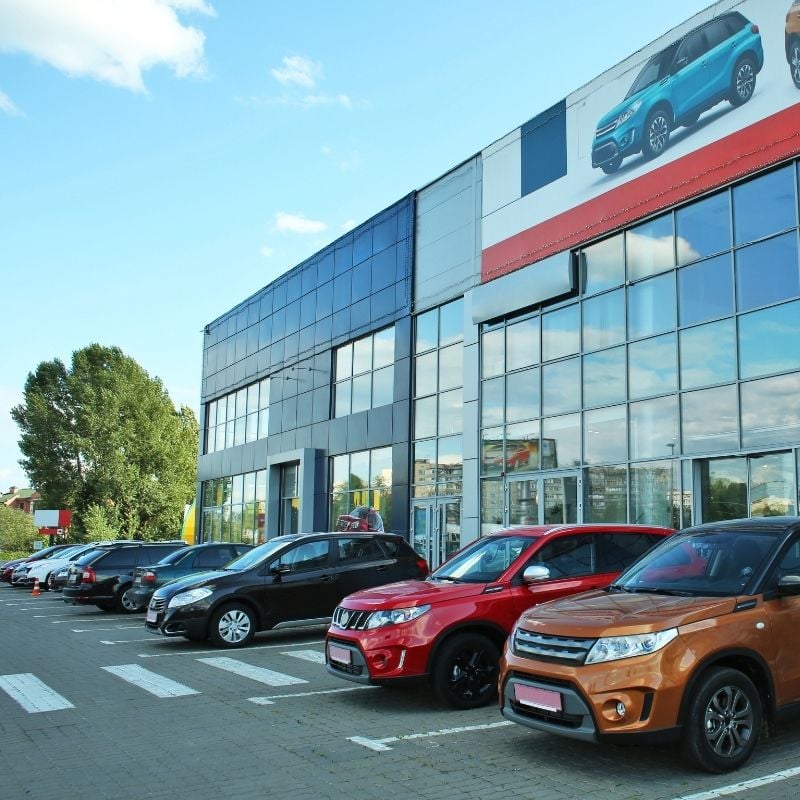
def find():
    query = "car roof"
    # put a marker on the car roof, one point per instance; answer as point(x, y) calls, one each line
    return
point(580, 527)
point(750, 524)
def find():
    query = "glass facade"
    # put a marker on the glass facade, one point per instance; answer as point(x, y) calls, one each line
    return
point(234, 508)
point(681, 344)
point(237, 417)
point(364, 373)
point(361, 479)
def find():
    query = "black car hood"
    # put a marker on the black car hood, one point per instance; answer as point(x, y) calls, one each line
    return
point(193, 581)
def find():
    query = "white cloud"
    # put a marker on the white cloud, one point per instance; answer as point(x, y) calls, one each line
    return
point(297, 223)
point(298, 71)
point(113, 41)
point(7, 106)
point(348, 225)
point(267, 252)
point(326, 151)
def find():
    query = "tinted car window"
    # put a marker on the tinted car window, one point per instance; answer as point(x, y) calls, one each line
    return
point(150, 555)
point(119, 557)
point(304, 557)
point(214, 557)
point(717, 32)
point(91, 555)
point(352, 551)
point(567, 556)
point(173, 558)
point(620, 550)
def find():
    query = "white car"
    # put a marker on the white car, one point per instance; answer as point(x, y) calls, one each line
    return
point(45, 570)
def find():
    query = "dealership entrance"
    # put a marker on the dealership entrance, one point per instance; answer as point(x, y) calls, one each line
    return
point(550, 499)
point(436, 528)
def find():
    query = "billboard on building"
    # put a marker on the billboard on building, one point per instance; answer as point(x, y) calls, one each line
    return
point(711, 101)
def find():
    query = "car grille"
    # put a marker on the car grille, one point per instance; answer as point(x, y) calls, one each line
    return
point(551, 648)
point(605, 129)
point(346, 618)
point(157, 604)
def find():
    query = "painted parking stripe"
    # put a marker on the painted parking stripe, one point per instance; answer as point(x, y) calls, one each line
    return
point(33, 695)
point(743, 786)
point(259, 674)
point(151, 682)
point(315, 656)
point(381, 745)
point(193, 653)
point(269, 701)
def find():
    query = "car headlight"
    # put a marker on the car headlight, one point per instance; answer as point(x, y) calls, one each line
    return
point(379, 619)
point(613, 648)
point(628, 112)
point(187, 598)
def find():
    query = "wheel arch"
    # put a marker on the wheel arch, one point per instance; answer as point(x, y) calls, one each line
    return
point(491, 630)
point(662, 104)
point(234, 600)
point(745, 661)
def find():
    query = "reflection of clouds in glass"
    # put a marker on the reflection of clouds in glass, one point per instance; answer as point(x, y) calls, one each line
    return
point(561, 441)
point(654, 427)
point(493, 352)
point(604, 263)
point(451, 367)
point(770, 411)
point(561, 333)
point(770, 340)
point(561, 386)
point(604, 377)
point(686, 252)
point(522, 343)
point(653, 367)
point(450, 417)
point(522, 395)
point(710, 418)
point(605, 438)
point(708, 355)
point(384, 348)
point(648, 254)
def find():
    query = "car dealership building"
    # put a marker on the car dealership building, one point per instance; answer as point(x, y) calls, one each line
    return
point(596, 318)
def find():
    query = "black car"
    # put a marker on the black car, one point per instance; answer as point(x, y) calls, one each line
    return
point(198, 558)
point(104, 577)
point(287, 582)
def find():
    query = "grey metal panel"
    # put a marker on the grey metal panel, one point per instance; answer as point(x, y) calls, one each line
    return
point(471, 372)
point(552, 277)
point(357, 432)
point(471, 428)
point(447, 239)
point(379, 427)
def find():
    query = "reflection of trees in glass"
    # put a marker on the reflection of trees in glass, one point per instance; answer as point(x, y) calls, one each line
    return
point(726, 500)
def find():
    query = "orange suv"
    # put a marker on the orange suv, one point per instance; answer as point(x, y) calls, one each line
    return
point(696, 641)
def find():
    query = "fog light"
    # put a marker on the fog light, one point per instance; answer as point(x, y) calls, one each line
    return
point(621, 709)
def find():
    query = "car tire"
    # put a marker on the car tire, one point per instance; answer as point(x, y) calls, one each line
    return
point(233, 625)
point(743, 81)
point(656, 133)
point(793, 56)
point(723, 721)
point(124, 603)
point(464, 674)
point(610, 167)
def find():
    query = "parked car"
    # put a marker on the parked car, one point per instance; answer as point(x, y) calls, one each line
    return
point(450, 628)
point(7, 569)
point(716, 61)
point(104, 576)
point(46, 570)
point(197, 558)
point(287, 582)
point(694, 642)
point(792, 41)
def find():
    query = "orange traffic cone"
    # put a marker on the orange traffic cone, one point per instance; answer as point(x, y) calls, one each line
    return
point(35, 592)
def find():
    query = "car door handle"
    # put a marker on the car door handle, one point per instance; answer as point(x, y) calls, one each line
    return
point(327, 579)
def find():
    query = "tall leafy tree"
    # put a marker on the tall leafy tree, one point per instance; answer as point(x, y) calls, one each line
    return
point(103, 434)
point(17, 531)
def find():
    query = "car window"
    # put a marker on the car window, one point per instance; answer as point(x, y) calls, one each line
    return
point(118, 557)
point(214, 557)
point(152, 554)
point(485, 559)
point(567, 556)
point(717, 32)
point(619, 550)
point(692, 47)
point(353, 551)
point(173, 558)
point(788, 565)
point(304, 557)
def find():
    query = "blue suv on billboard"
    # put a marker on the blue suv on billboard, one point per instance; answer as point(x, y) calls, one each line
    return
point(716, 61)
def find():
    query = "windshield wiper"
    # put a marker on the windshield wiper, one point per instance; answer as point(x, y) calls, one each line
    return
point(617, 587)
point(660, 590)
point(446, 578)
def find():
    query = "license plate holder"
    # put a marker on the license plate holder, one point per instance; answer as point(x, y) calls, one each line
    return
point(151, 615)
point(339, 654)
point(532, 696)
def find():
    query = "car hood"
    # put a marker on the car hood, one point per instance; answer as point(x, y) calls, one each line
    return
point(193, 581)
point(600, 613)
point(407, 594)
point(608, 118)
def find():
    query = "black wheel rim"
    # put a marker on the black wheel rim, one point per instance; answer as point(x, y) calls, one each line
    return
point(729, 720)
point(472, 675)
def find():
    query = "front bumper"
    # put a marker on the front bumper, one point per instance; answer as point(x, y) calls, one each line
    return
point(183, 621)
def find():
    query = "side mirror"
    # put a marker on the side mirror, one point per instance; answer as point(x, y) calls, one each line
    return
point(789, 585)
point(279, 569)
point(535, 574)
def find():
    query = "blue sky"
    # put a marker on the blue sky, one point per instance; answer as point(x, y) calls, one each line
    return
point(162, 160)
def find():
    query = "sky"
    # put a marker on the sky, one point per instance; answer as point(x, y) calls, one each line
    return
point(162, 160)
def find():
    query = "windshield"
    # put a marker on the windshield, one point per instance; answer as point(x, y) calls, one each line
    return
point(709, 564)
point(255, 556)
point(655, 70)
point(485, 560)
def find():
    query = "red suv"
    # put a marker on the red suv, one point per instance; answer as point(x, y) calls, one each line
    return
point(450, 628)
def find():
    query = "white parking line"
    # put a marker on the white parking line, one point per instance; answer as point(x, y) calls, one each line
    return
point(115, 628)
point(314, 656)
point(250, 649)
point(122, 641)
point(245, 670)
point(151, 682)
point(33, 695)
point(269, 701)
point(90, 619)
point(743, 786)
point(380, 745)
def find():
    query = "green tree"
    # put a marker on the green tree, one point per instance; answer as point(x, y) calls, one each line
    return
point(104, 433)
point(17, 531)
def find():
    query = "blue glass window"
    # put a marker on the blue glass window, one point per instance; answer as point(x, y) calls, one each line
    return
point(651, 306)
point(708, 354)
point(705, 290)
point(767, 272)
point(764, 205)
point(769, 340)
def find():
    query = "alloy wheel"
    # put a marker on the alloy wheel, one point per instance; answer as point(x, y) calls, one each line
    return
point(658, 133)
point(745, 81)
point(729, 721)
point(234, 626)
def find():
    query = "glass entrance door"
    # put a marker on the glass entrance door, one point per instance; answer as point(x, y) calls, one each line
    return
point(550, 500)
point(436, 529)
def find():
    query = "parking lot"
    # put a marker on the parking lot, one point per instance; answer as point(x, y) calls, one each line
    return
point(90, 702)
